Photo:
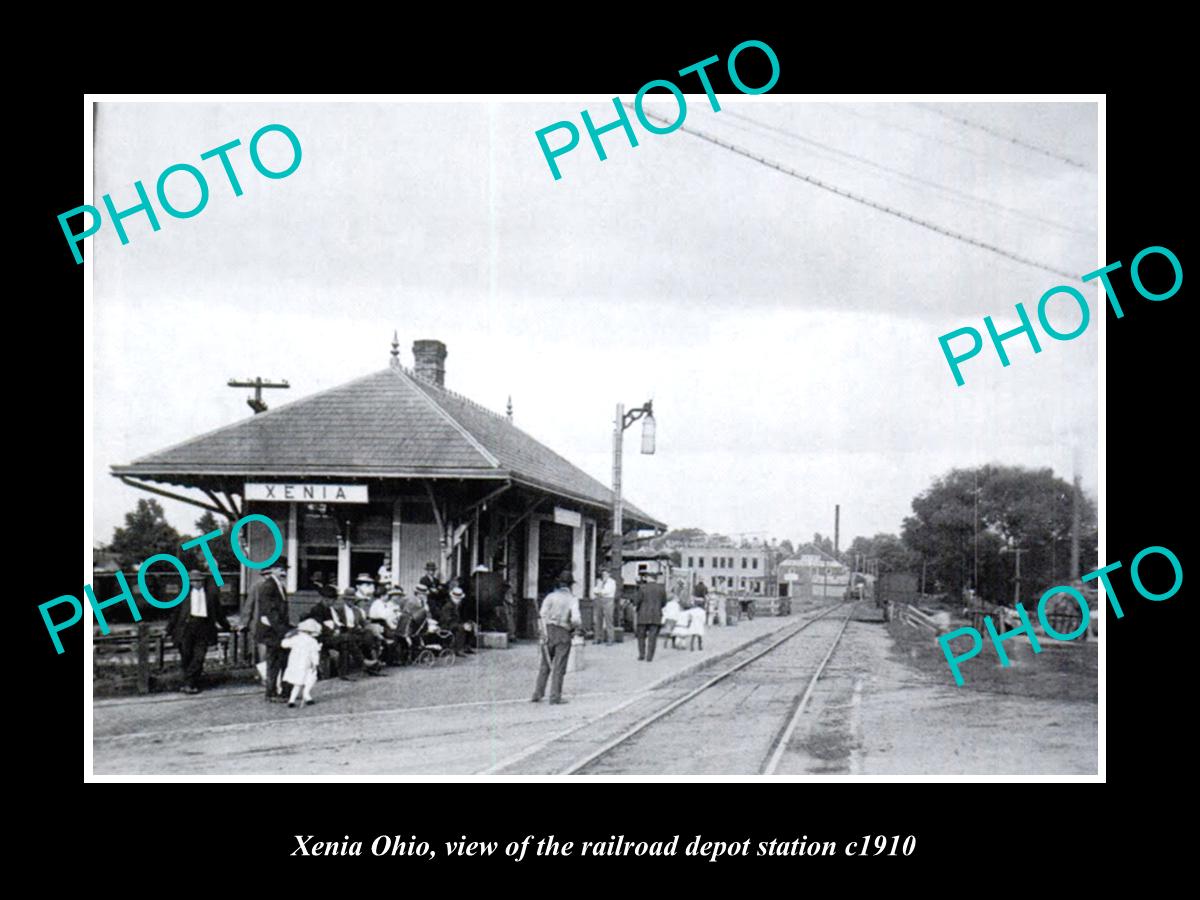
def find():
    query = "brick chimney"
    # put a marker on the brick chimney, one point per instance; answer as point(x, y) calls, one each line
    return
point(430, 361)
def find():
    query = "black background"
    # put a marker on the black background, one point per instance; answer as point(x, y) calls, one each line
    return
point(967, 833)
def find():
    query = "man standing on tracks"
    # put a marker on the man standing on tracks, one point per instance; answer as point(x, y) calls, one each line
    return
point(558, 617)
point(651, 598)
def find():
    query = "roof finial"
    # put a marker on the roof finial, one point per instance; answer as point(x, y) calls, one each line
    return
point(508, 411)
point(395, 350)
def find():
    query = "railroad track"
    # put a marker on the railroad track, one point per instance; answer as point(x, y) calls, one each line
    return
point(778, 743)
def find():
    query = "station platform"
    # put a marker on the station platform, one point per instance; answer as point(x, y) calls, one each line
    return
point(471, 716)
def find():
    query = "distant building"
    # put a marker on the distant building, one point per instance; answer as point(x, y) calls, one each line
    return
point(636, 563)
point(732, 569)
point(104, 560)
point(812, 565)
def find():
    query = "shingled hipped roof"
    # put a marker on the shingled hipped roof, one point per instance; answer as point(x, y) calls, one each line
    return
point(390, 424)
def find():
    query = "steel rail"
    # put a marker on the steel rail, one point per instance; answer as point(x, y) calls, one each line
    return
point(784, 737)
point(640, 726)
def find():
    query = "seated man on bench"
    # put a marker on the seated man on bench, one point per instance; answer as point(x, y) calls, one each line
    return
point(346, 633)
point(385, 617)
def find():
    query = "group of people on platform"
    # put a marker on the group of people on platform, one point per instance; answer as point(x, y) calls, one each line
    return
point(367, 627)
point(377, 623)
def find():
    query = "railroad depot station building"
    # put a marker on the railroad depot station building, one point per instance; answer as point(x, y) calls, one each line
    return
point(394, 466)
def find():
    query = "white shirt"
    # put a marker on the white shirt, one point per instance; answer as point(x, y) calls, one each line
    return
point(199, 603)
point(605, 588)
point(561, 607)
point(386, 610)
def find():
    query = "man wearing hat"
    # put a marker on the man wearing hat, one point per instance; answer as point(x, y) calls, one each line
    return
point(416, 607)
point(604, 592)
point(364, 596)
point(384, 614)
point(194, 626)
point(364, 589)
point(450, 617)
point(437, 589)
point(265, 615)
point(346, 632)
point(323, 587)
point(558, 617)
point(651, 598)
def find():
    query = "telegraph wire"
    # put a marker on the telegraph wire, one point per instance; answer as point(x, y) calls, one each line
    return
point(816, 182)
point(937, 140)
point(1004, 137)
point(916, 178)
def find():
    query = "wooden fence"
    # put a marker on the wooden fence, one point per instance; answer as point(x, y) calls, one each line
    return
point(923, 620)
point(1063, 619)
point(143, 651)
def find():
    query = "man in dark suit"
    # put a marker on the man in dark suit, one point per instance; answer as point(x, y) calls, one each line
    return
point(268, 602)
point(194, 627)
point(346, 631)
point(438, 591)
point(450, 616)
point(651, 598)
point(322, 587)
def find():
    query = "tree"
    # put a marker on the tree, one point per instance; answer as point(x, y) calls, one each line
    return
point(680, 537)
point(221, 549)
point(786, 549)
point(967, 517)
point(146, 533)
point(889, 552)
point(823, 543)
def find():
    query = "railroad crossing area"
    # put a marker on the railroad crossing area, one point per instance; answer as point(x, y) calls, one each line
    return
point(819, 692)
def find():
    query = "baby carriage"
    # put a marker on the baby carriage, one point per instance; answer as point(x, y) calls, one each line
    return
point(433, 645)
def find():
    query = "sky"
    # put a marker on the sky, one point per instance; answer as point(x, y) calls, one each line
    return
point(787, 335)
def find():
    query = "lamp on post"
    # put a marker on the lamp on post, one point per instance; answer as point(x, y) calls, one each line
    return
point(622, 421)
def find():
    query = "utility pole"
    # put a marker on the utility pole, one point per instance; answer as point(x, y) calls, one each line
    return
point(1017, 576)
point(975, 527)
point(837, 524)
point(1075, 493)
point(1017, 580)
point(258, 383)
point(622, 421)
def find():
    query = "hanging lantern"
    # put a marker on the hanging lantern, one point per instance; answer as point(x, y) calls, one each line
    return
point(648, 433)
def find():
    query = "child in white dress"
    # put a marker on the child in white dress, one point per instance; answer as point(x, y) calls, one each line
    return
point(303, 657)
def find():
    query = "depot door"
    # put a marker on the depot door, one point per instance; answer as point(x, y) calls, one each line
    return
point(556, 544)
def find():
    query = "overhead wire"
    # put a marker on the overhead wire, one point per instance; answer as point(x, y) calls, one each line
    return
point(1012, 139)
point(945, 189)
point(937, 140)
point(865, 201)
